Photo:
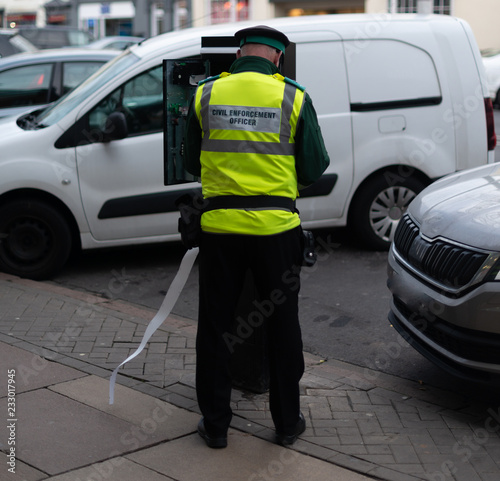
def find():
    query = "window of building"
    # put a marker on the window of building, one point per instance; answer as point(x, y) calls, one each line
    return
point(298, 12)
point(223, 11)
point(410, 6)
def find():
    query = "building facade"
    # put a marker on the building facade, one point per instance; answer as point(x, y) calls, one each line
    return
point(151, 17)
point(482, 15)
point(22, 12)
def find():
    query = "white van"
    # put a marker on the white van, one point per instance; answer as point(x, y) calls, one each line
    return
point(401, 101)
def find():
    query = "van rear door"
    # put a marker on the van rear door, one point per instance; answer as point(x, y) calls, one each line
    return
point(321, 69)
point(398, 105)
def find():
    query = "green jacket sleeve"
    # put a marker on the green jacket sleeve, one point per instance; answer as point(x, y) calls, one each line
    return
point(311, 157)
point(192, 142)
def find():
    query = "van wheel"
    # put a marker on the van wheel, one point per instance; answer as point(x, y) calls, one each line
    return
point(378, 207)
point(35, 239)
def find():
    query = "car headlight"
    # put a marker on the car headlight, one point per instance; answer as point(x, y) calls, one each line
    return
point(490, 270)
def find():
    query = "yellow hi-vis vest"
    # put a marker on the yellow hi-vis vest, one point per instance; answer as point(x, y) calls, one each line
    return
point(249, 121)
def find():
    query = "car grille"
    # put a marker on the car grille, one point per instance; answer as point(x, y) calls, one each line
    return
point(445, 263)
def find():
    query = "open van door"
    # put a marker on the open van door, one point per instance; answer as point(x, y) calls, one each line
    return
point(180, 79)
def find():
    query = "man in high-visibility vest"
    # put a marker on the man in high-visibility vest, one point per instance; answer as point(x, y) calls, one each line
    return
point(253, 137)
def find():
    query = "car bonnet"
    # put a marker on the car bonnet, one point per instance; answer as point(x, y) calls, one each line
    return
point(464, 208)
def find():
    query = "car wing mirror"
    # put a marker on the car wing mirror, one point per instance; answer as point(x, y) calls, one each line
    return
point(115, 127)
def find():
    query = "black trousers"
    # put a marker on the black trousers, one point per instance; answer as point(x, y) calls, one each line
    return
point(223, 264)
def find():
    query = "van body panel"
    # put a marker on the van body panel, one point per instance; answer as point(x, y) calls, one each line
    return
point(106, 175)
point(49, 172)
point(335, 120)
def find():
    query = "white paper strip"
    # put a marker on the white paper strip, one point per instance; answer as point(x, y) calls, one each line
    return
point(166, 307)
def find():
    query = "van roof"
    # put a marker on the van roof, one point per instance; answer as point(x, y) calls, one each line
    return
point(368, 24)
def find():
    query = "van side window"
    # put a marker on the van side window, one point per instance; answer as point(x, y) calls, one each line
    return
point(140, 99)
point(75, 72)
point(387, 74)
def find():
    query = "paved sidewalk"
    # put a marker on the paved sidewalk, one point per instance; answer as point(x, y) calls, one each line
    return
point(63, 345)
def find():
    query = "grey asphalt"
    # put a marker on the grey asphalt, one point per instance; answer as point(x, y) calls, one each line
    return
point(59, 346)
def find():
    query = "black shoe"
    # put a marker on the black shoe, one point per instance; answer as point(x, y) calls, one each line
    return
point(289, 439)
point(212, 442)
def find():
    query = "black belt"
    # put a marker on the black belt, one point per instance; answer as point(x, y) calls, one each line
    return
point(252, 202)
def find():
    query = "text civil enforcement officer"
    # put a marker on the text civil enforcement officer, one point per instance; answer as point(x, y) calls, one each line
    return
point(253, 137)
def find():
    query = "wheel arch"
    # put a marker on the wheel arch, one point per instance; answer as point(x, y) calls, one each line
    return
point(394, 172)
point(36, 194)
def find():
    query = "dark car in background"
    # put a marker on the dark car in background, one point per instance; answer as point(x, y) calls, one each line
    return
point(11, 43)
point(55, 36)
point(37, 79)
point(444, 274)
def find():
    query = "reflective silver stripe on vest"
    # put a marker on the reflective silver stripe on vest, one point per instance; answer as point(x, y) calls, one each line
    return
point(248, 147)
point(287, 109)
point(218, 117)
point(255, 119)
point(205, 104)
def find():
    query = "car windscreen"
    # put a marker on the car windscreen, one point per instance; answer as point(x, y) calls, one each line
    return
point(56, 111)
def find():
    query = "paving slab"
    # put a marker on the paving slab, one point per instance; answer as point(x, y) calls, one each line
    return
point(56, 434)
point(33, 371)
point(23, 472)
point(116, 469)
point(148, 413)
point(246, 458)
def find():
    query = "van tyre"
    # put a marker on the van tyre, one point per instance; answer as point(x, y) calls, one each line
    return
point(378, 207)
point(35, 239)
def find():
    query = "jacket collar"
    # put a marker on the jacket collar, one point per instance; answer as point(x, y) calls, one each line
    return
point(251, 63)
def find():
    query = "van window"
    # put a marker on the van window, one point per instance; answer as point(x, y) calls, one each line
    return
point(55, 112)
point(75, 72)
point(140, 99)
point(390, 74)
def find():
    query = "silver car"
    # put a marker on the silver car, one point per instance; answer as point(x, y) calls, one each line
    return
point(30, 80)
point(117, 42)
point(444, 273)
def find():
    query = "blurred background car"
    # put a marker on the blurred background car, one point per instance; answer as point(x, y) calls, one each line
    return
point(444, 273)
point(11, 43)
point(115, 42)
point(491, 62)
point(28, 80)
point(55, 36)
